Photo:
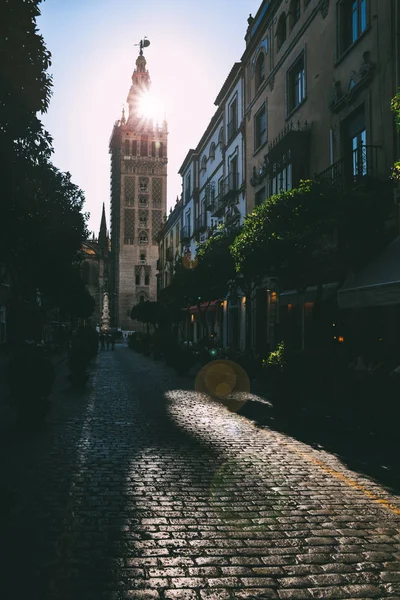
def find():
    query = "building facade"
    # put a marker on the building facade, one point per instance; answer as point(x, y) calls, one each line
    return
point(138, 148)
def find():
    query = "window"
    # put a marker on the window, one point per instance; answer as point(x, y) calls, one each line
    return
point(354, 141)
point(294, 13)
point(203, 163)
point(137, 279)
point(160, 150)
point(143, 239)
point(221, 137)
point(260, 128)
point(233, 118)
point(281, 180)
point(143, 221)
point(153, 149)
point(296, 84)
point(144, 185)
point(281, 31)
point(147, 280)
point(188, 190)
point(212, 152)
point(260, 70)
point(260, 196)
point(143, 200)
point(352, 22)
point(127, 147)
point(142, 258)
point(134, 148)
point(144, 146)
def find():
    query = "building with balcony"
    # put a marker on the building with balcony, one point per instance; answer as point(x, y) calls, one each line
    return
point(169, 246)
point(319, 78)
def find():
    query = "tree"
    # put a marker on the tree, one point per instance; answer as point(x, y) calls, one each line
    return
point(42, 221)
point(395, 106)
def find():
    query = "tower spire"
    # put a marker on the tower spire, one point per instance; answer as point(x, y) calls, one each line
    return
point(103, 229)
point(140, 82)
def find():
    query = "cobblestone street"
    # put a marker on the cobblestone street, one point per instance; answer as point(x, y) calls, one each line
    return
point(142, 488)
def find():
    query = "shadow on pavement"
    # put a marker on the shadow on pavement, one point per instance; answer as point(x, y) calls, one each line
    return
point(360, 450)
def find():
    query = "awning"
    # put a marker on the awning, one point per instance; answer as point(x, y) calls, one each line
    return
point(293, 297)
point(376, 284)
point(204, 306)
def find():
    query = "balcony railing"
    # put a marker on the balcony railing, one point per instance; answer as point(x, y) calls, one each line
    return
point(362, 162)
point(200, 223)
point(219, 206)
point(232, 128)
point(185, 234)
point(230, 185)
point(169, 254)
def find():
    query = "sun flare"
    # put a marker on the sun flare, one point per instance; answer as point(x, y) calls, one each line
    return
point(150, 107)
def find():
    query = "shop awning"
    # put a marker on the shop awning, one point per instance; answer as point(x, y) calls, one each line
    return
point(376, 284)
point(213, 305)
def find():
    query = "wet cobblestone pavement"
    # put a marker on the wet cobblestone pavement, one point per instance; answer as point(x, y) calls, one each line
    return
point(142, 488)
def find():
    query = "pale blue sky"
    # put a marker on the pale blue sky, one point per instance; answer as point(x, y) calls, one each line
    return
point(193, 47)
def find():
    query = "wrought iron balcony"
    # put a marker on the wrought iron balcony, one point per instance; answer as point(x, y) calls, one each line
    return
point(362, 162)
point(169, 254)
point(200, 223)
point(230, 186)
point(185, 234)
point(219, 206)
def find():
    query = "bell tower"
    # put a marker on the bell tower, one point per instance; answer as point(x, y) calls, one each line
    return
point(138, 148)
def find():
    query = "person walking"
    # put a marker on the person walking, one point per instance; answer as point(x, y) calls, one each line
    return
point(102, 340)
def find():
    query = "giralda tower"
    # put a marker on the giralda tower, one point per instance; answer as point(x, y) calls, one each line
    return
point(138, 148)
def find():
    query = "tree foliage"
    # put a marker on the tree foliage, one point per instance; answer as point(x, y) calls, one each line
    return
point(314, 233)
point(42, 221)
point(395, 106)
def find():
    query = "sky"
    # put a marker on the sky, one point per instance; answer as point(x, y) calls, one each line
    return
point(193, 45)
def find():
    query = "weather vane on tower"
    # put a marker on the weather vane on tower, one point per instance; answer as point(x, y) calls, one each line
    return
point(144, 43)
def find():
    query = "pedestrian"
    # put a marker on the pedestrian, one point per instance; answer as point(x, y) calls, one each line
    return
point(102, 340)
point(108, 341)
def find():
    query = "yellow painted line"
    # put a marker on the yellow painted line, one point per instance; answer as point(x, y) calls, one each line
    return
point(350, 482)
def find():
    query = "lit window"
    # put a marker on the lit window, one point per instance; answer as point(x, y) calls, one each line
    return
point(260, 128)
point(352, 22)
point(296, 84)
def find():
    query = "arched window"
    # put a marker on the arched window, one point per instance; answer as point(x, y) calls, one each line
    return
point(127, 148)
point(260, 70)
point(134, 147)
point(147, 280)
point(143, 239)
point(212, 151)
point(153, 149)
point(221, 136)
point(160, 150)
point(203, 163)
point(294, 13)
point(281, 31)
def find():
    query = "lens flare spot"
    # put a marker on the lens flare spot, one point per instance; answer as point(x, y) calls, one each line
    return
point(225, 381)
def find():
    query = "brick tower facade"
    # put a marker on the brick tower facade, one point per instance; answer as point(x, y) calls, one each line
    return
point(138, 148)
